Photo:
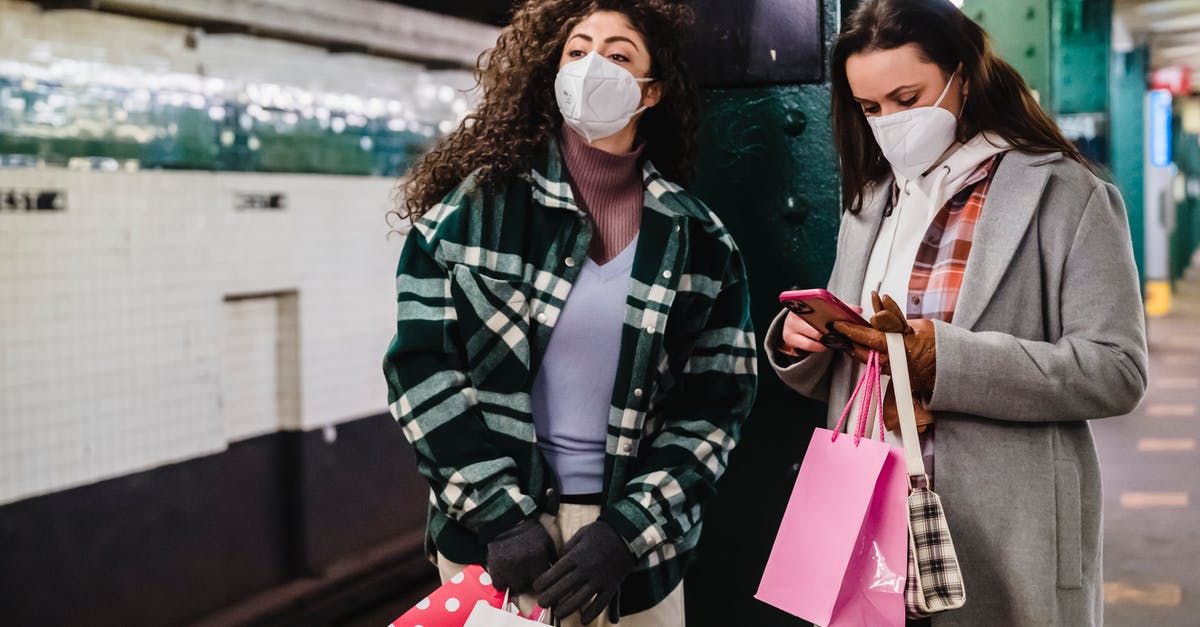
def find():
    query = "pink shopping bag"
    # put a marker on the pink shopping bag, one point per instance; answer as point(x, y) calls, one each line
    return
point(840, 555)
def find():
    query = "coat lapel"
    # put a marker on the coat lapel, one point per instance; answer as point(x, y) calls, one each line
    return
point(858, 239)
point(1007, 211)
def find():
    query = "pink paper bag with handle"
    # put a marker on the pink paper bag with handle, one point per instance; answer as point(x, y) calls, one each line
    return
point(840, 555)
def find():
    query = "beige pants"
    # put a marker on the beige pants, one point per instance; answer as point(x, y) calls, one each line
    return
point(570, 519)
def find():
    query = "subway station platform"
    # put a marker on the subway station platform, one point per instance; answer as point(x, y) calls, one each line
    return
point(197, 285)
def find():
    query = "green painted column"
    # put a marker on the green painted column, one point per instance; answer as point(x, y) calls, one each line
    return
point(1021, 32)
point(1127, 133)
point(1081, 38)
point(769, 170)
point(1061, 48)
point(1186, 146)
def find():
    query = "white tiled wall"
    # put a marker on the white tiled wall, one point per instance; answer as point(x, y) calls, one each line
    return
point(113, 316)
point(250, 372)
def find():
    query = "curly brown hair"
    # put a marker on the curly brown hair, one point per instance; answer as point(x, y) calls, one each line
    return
point(518, 114)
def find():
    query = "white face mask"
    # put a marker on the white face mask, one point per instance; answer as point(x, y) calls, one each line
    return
point(913, 140)
point(597, 97)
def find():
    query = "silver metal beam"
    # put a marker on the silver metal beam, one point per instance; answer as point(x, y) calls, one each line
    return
point(360, 25)
point(1170, 27)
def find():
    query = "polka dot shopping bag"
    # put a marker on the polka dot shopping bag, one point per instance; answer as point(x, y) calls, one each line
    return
point(456, 601)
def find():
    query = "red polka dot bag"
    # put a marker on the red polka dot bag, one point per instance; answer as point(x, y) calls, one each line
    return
point(466, 595)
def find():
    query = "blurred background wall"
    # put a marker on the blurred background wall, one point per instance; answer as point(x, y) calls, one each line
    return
point(195, 295)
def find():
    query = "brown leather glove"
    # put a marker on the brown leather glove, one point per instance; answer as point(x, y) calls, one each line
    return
point(891, 417)
point(919, 342)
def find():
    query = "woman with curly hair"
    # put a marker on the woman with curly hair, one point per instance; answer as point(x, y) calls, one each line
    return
point(574, 356)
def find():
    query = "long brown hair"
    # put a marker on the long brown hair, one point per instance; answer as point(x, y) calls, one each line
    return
point(999, 100)
point(518, 114)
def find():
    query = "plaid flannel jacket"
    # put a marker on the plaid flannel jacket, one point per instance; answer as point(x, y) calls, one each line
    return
point(482, 279)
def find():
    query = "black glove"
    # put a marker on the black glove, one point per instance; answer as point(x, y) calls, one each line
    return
point(517, 556)
point(593, 564)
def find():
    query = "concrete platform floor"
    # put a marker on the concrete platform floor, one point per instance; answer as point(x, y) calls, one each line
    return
point(1151, 468)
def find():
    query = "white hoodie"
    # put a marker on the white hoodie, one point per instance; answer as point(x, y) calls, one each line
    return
point(890, 267)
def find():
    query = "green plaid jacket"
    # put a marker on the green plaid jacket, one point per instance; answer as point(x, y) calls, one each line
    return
point(482, 279)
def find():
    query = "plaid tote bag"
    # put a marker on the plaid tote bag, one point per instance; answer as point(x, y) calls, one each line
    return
point(934, 582)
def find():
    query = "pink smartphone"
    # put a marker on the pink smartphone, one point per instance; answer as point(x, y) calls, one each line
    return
point(819, 308)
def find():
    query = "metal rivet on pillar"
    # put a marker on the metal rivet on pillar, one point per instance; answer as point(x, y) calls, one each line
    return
point(795, 121)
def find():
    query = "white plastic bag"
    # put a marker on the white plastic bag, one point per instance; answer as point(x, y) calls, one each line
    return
point(507, 615)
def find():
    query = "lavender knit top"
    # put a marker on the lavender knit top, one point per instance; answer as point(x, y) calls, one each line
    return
point(572, 390)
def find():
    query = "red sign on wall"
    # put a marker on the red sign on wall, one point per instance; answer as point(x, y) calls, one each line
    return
point(1177, 80)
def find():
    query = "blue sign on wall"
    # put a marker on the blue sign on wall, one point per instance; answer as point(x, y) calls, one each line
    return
point(1160, 128)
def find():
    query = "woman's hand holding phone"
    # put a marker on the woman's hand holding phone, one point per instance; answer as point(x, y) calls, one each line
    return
point(799, 336)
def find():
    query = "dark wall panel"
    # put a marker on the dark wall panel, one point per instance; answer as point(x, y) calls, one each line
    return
point(184, 541)
point(768, 168)
point(359, 490)
point(149, 548)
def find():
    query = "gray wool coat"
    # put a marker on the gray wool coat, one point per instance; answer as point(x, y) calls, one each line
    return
point(1048, 333)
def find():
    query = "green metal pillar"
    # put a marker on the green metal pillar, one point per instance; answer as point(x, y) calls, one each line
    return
point(769, 170)
point(1127, 132)
point(1080, 41)
point(1061, 48)
point(1186, 146)
point(1021, 32)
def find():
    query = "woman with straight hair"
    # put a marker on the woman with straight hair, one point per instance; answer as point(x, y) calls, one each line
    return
point(1007, 264)
point(573, 356)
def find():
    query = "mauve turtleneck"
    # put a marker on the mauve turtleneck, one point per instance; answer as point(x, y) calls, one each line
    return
point(609, 188)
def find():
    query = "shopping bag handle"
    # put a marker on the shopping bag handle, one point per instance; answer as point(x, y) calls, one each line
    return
point(898, 358)
point(870, 380)
point(544, 618)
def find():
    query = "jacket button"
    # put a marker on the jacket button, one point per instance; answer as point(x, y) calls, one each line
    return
point(550, 493)
point(916, 300)
point(541, 317)
point(667, 274)
point(638, 392)
point(570, 262)
point(650, 329)
point(628, 448)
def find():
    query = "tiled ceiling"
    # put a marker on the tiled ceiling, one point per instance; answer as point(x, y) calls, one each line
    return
point(1170, 27)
